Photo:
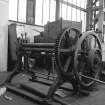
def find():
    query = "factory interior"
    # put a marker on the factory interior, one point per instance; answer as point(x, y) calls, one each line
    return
point(52, 52)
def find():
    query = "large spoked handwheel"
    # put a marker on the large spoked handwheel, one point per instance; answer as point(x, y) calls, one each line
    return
point(88, 58)
point(65, 45)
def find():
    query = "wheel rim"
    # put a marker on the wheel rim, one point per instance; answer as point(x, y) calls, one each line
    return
point(87, 60)
point(64, 48)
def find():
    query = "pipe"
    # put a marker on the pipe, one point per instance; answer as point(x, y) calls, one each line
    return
point(102, 82)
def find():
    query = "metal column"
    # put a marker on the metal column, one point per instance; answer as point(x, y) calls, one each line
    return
point(57, 9)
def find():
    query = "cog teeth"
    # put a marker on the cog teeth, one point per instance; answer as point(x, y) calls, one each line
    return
point(56, 51)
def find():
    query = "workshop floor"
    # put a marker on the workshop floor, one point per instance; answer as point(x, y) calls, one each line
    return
point(96, 97)
point(13, 99)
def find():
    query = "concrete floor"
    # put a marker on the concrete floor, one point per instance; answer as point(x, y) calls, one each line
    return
point(96, 97)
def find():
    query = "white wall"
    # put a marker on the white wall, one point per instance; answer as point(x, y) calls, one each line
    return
point(3, 34)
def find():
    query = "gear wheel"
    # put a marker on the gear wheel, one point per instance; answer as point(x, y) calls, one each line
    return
point(90, 58)
point(65, 41)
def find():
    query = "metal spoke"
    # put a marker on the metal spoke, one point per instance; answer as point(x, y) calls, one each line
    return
point(64, 50)
point(68, 50)
point(81, 52)
point(66, 66)
point(68, 38)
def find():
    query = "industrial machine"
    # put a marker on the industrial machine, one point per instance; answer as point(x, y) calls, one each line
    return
point(77, 56)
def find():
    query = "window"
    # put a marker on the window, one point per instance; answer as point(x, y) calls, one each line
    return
point(45, 11)
point(63, 10)
point(70, 1)
point(74, 15)
point(74, 2)
point(38, 15)
point(13, 10)
point(79, 3)
point(22, 11)
point(78, 19)
point(83, 3)
point(17, 10)
point(52, 10)
point(69, 12)
point(83, 19)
